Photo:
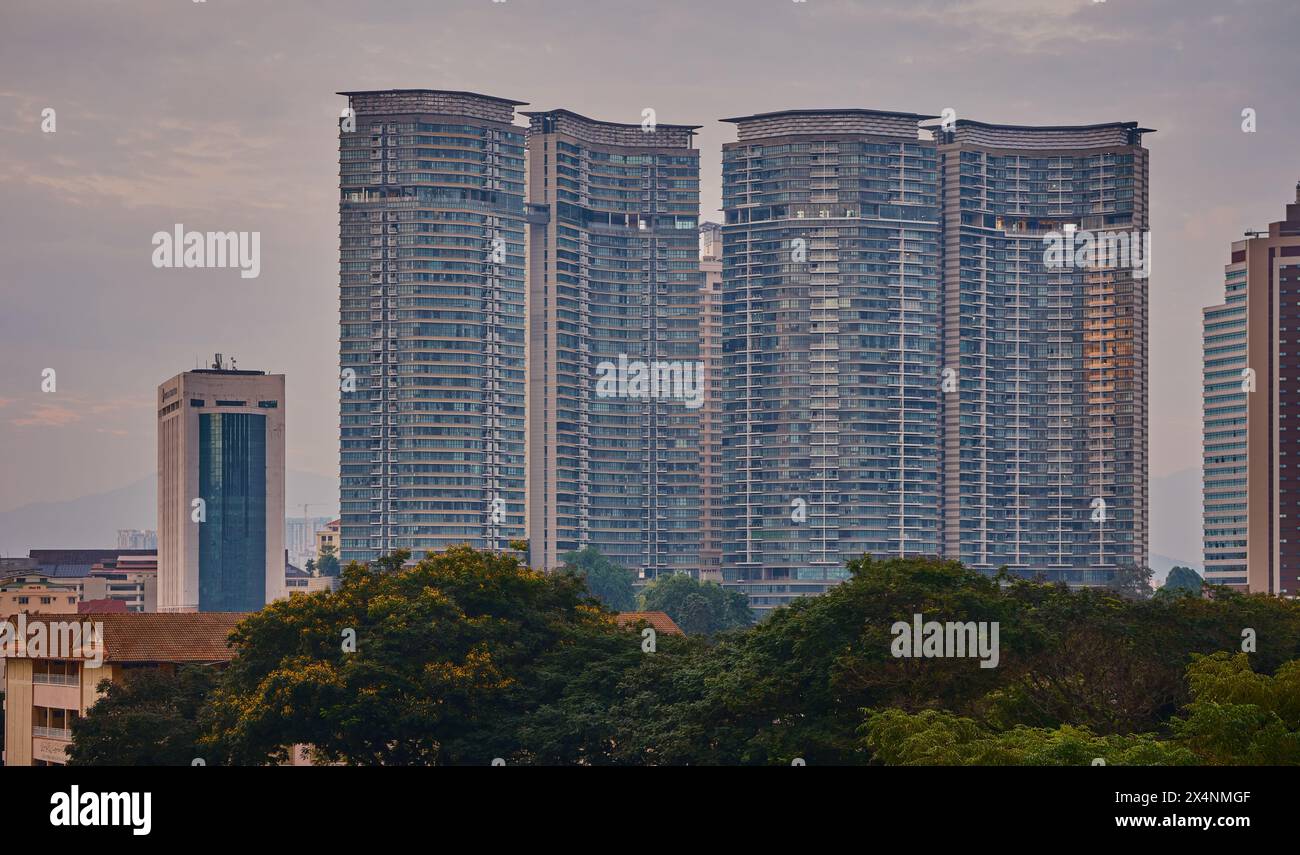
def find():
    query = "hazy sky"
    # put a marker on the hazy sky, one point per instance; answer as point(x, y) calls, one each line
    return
point(222, 115)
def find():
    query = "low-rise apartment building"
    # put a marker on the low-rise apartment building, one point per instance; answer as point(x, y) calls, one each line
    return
point(47, 690)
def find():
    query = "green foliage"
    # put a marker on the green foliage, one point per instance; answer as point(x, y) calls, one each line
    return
point(448, 652)
point(699, 608)
point(466, 656)
point(1235, 717)
point(607, 581)
point(150, 718)
point(937, 738)
point(1239, 717)
point(1132, 581)
point(328, 563)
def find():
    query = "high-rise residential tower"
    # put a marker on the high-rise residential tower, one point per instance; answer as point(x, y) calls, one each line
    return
point(1251, 382)
point(615, 382)
point(831, 254)
point(220, 490)
point(431, 234)
point(1045, 409)
point(910, 368)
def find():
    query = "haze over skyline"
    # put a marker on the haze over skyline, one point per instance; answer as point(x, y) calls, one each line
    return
point(221, 116)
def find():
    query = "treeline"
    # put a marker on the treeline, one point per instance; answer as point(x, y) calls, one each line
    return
point(470, 656)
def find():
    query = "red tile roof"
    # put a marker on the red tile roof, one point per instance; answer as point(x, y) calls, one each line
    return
point(104, 606)
point(659, 620)
point(154, 637)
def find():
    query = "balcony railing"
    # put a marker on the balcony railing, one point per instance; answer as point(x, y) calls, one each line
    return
point(56, 679)
point(63, 733)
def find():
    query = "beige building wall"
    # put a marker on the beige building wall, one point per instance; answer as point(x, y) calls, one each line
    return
point(23, 695)
point(328, 536)
point(31, 598)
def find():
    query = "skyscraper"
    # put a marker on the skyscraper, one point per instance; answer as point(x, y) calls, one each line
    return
point(220, 490)
point(909, 370)
point(1045, 415)
point(431, 353)
point(831, 346)
point(1251, 383)
point(615, 394)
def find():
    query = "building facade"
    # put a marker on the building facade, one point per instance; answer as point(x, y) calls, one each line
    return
point(1251, 395)
point(614, 289)
point(830, 328)
point(48, 690)
point(1044, 455)
point(129, 538)
point(130, 579)
point(431, 352)
point(908, 370)
point(220, 490)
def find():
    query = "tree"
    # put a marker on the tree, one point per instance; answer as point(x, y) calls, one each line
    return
point(467, 656)
point(1238, 717)
point(328, 564)
point(434, 664)
point(794, 685)
point(150, 718)
point(699, 608)
point(936, 738)
point(607, 581)
point(1182, 580)
point(1235, 717)
point(1131, 581)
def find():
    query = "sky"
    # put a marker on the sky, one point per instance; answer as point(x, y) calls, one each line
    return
point(221, 115)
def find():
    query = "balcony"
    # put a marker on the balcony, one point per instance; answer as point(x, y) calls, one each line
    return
point(63, 733)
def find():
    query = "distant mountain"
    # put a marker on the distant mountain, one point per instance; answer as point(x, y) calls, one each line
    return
point(1162, 564)
point(91, 522)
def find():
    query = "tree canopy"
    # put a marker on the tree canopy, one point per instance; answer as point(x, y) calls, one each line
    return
point(609, 582)
point(468, 656)
point(699, 608)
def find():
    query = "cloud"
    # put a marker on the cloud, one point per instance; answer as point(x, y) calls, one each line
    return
point(48, 415)
point(70, 410)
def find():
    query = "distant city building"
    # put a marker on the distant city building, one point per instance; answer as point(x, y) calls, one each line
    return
point(300, 537)
point(711, 481)
point(1251, 441)
point(431, 230)
point(614, 295)
point(130, 538)
point(34, 592)
point(129, 579)
point(299, 581)
point(328, 535)
point(221, 452)
point(77, 563)
point(46, 694)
